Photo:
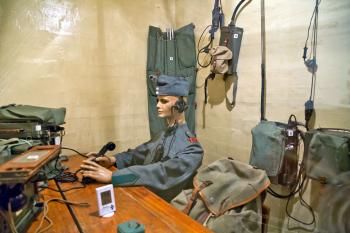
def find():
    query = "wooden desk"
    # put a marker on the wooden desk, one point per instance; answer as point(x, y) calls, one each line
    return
point(132, 203)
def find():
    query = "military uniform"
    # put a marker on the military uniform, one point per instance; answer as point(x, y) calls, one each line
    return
point(168, 162)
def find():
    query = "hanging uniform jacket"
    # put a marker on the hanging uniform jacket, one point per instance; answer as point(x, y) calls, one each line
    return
point(174, 57)
point(166, 164)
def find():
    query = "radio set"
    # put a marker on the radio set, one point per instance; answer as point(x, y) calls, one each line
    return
point(32, 123)
point(18, 194)
point(29, 143)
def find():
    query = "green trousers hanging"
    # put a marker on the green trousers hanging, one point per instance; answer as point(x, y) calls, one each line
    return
point(171, 57)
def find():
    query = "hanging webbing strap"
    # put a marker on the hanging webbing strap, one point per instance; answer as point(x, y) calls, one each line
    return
point(234, 91)
point(210, 76)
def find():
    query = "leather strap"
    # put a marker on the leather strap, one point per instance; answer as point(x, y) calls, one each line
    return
point(194, 196)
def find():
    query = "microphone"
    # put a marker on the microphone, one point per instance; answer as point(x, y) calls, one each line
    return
point(108, 147)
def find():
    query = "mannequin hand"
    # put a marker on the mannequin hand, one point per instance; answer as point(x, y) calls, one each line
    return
point(106, 161)
point(96, 171)
point(92, 154)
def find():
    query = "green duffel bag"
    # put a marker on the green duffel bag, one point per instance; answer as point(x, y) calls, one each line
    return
point(226, 197)
point(327, 153)
point(28, 113)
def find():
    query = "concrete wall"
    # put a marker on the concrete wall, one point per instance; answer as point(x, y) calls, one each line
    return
point(90, 57)
point(226, 132)
point(87, 56)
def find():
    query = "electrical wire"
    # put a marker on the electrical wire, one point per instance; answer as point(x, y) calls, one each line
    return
point(39, 229)
point(9, 218)
point(233, 18)
point(79, 153)
point(241, 9)
point(64, 176)
point(299, 186)
point(64, 190)
point(310, 60)
point(205, 49)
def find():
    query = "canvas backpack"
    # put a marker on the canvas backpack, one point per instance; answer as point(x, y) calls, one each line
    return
point(226, 198)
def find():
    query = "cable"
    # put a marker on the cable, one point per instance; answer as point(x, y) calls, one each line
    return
point(216, 23)
point(241, 9)
point(46, 210)
point(67, 148)
point(62, 176)
point(303, 203)
point(300, 185)
point(172, 140)
point(204, 49)
point(233, 18)
point(311, 61)
point(64, 190)
point(70, 209)
point(9, 218)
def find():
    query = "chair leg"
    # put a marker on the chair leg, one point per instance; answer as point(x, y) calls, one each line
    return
point(265, 218)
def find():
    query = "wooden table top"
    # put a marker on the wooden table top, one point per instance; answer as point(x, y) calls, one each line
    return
point(132, 203)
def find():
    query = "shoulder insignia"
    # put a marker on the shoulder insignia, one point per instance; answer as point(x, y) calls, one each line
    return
point(192, 139)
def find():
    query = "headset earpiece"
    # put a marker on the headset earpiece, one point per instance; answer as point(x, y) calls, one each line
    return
point(180, 105)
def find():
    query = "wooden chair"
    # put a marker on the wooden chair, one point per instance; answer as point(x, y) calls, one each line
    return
point(265, 218)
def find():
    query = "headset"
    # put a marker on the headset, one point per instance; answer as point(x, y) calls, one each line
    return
point(180, 105)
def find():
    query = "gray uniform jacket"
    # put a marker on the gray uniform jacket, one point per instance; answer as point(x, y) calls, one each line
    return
point(166, 164)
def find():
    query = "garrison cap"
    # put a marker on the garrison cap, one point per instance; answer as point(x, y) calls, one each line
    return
point(172, 85)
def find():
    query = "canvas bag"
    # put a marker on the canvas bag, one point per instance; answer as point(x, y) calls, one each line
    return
point(275, 150)
point(327, 153)
point(268, 146)
point(226, 197)
point(28, 113)
point(220, 57)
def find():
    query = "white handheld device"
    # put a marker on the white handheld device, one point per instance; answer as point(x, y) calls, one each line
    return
point(105, 200)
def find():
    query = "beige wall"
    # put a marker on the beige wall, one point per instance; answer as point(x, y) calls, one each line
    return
point(227, 133)
point(224, 132)
point(90, 57)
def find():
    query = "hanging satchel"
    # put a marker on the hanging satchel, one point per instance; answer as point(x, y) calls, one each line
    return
point(275, 150)
point(220, 58)
point(327, 153)
point(230, 38)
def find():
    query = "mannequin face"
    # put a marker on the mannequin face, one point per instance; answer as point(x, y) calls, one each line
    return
point(164, 106)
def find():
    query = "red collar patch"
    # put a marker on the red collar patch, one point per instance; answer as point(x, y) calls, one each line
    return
point(192, 139)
